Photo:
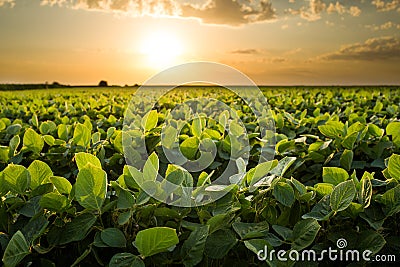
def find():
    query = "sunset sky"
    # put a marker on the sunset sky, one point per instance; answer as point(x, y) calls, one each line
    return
point(281, 42)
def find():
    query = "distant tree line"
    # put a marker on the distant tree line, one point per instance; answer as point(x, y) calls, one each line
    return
point(19, 86)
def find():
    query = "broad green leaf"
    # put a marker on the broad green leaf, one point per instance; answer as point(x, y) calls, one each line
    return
point(150, 120)
point(304, 233)
point(365, 194)
point(394, 166)
point(393, 129)
point(375, 130)
point(54, 202)
point(91, 187)
point(321, 211)
point(342, 195)
point(113, 237)
point(219, 221)
point(391, 200)
point(155, 240)
point(334, 175)
point(13, 145)
point(16, 178)
point(82, 159)
point(81, 135)
point(260, 171)
point(4, 152)
point(150, 169)
point(189, 147)
point(62, 185)
point(349, 140)
point(40, 173)
point(284, 193)
point(2, 126)
point(218, 244)
point(332, 129)
point(193, 248)
point(126, 260)
point(323, 189)
point(346, 159)
point(196, 127)
point(283, 166)
point(284, 232)
point(370, 240)
point(16, 250)
point(62, 132)
point(251, 230)
point(77, 229)
point(33, 141)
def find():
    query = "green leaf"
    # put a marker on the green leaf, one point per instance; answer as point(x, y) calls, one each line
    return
point(150, 169)
point(155, 240)
point(391, 200)
point(77, 229)
point(366, 190)
point(342, 195)
point(332, 129)
point(219, 243)
point(33, 141)
point(82, 159)
point(346, 159)
point(54, 202)
point(375, 130)
point(323, 189)
point(370, 240)
point(334, 175)
point(16, 178)
point(62, 185)
point(13, 145)
point(62, 132)
point(283, 166)
point(394, 166)
point(40, 173)
point(260, 171)
point(81, 135)
point(251, 230)
point(304, 233)
point(91, 186)
point(193, 247)
point(126, 260)
point(113, 237)
point(349, 140)
point(16, 250)
point(393, 129)
point(189, 147)
point(150, 120)
point(4, 152)
point(321, 211)
point(284, 193)
point(196, 127)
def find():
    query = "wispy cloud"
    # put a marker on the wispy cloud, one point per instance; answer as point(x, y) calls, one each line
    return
point(380, 48)
point(249, 51)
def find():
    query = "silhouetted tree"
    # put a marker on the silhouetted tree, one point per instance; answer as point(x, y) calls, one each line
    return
point(103, 83)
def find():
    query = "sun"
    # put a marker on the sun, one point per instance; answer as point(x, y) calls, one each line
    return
point(162, 49)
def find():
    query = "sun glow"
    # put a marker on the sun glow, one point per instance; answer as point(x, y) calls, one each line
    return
point(162, 49)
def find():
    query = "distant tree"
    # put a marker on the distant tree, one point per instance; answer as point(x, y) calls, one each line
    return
point(103, 83)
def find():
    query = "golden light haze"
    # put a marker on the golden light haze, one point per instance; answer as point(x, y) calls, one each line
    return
point(273, 42)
